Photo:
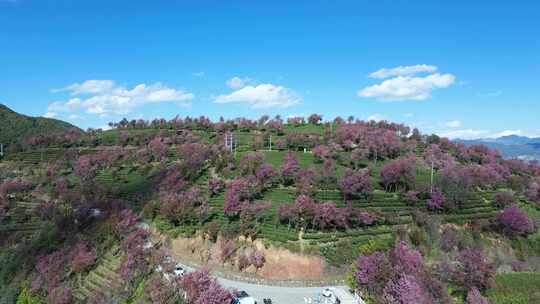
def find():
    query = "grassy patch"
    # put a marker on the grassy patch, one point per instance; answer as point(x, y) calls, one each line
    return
point(515, 288)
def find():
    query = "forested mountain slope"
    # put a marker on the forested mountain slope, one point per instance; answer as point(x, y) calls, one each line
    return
point(15, 128)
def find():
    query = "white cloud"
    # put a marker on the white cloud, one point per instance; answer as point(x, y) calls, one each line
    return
point(50, 114)
point(528, 133)
point(296, 115)
point(376, 117)
point(105, 127)
point(236, 82)
point(507, 133)
point(105, 97)
point(464, 134)
point(407, 87)
point(403, 71)
point(74, 116)
point(453, 124)
point(88, 87)
point(262, 96)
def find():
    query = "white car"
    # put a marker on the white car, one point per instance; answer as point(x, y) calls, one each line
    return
point(179, 271)
point(242, 297)
point(248, 300)
point(329, 297)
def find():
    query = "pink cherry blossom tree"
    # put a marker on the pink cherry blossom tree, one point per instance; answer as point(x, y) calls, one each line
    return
point(356, 184)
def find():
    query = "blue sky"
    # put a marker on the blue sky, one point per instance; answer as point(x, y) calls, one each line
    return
point(458, 68)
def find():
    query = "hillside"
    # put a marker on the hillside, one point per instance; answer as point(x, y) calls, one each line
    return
point(15, 127)
point(246, 197)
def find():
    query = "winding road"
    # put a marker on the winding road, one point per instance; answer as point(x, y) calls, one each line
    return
point(280, 294)
point(285, 295)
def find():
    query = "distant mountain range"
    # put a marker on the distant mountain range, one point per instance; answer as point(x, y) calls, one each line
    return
point(512, 146)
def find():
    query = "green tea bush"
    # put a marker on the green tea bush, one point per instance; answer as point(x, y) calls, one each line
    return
point(515, 288)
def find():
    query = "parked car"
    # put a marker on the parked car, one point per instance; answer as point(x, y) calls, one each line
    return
point(329, 297)
point(243, 297)
point(179, 271)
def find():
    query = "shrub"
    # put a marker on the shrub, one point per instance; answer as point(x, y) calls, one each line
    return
point(250, 163)
point(518, 288)
point(376, 244)
point(305, 181)
point(202, 288)
point(265, 175)
point(158, 148)
point(474, 270)
point(290, 168)
point(215, 185)
point(437, 201)
point(356, 184)
point(25, 297)
point(286, 213)
point(406, 290)
point(257, 259)
point(410, 198)
point(366, 218)
point(158, 290)
point(86, 168)
point(514, 221)
point(226, 249)
point(399, 174)
point(321, 152)
point(449, 239)
point(373, 271)
point(405, 259)
point(126, 222)
point(212, 230)
point(60, 295)
point(519, 266)
point(304, 210)
point(314, 118)
point(418, 236)
point(475, 297)
point(399, 276)
point(51, 269)
point(184, 208)
point(327, 215)
point(14, 185)
point(195, 283)
point(82, 257)
point(232, 205)
point(215, 294)
point(242, 261)
point(504, 199)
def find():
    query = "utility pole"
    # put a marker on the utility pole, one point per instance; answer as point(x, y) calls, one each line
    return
point(270, 140)
point(1, 150)
point(431, 180)
point(229, 141)
point(235, 140)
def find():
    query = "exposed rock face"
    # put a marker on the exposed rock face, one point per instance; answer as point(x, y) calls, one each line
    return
point(281, 264)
